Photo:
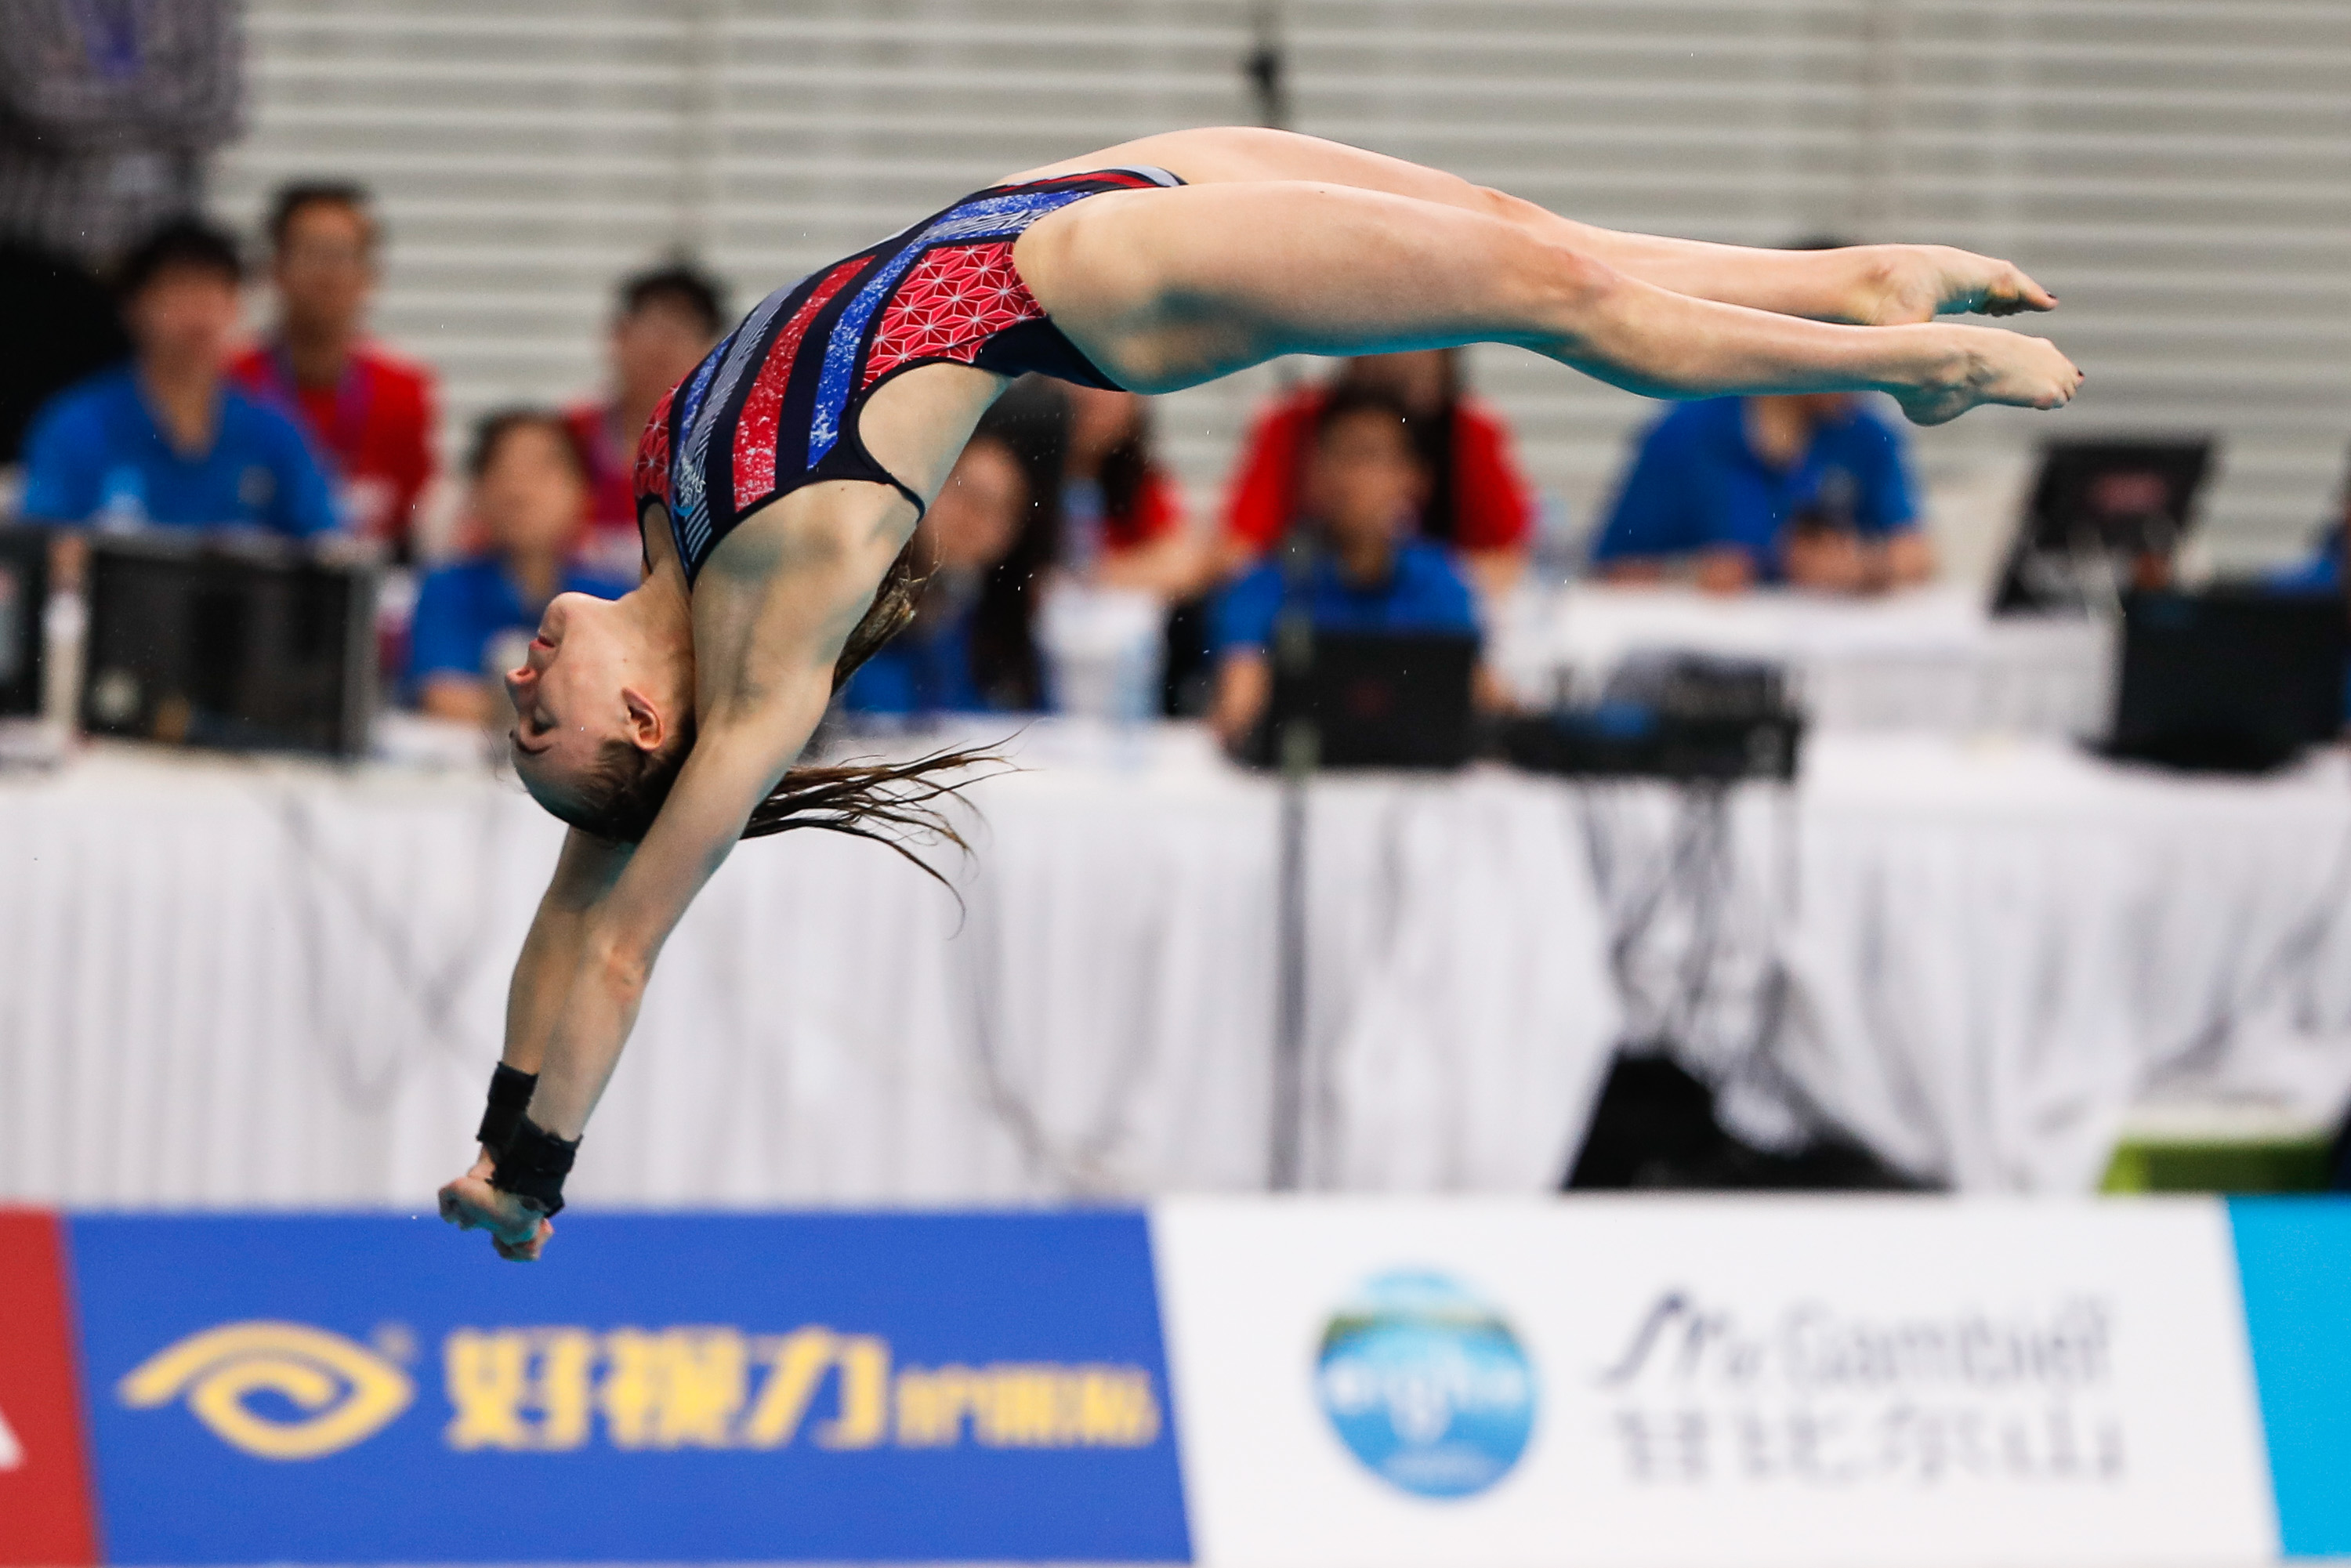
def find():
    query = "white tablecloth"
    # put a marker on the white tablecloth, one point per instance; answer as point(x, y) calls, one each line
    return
point(1999, 948)
point(1929, 658)
point(226, 983)
point(239, 984)
point(1978, 957)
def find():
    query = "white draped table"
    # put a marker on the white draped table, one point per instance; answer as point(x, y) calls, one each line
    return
point(2000, 947)
point(226, 983)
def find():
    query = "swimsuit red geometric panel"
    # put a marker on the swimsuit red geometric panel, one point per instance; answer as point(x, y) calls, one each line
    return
point(775, 406)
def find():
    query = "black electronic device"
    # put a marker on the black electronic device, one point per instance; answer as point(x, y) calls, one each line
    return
point(2231, 680)
point(2103, 514)
point(24, 604)
point(1687, 717)
point(1377, 699)
point(238, 646)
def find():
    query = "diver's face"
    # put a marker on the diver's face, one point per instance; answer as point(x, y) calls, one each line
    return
point(576, 691)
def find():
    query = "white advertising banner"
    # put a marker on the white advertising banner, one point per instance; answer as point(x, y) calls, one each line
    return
point(1815, 1383)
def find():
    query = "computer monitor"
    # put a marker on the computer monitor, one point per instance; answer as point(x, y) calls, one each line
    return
point(2233, 680)
point(231, 647)
point(2099, 508)
point(1377, 699)
point(24, 600)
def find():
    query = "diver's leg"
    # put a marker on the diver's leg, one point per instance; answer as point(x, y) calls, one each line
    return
point(1867, 285)
point(1168, 289)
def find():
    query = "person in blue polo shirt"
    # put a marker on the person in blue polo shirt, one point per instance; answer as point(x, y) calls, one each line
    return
point(166, 440)
point(1363, 489)
point(1810, 490)
point(475, 617)
point(2326, 571)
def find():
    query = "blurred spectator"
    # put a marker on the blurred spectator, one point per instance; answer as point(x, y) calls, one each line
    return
point(2324, 571)
point(1811, 490)
point(2321, 572)
point(2327, 570)
point(166, 440)
point(368, 413)
point(109, 110)
point(1478, 502)
point(473, 617)
point(665, 322)
point(1366, 483)
point(972, 647)
point(1122, 522)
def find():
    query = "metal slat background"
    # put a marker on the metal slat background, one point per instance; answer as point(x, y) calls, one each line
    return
point(2179, 172)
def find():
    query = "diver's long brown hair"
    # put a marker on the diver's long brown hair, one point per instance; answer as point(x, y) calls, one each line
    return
point(893, 804)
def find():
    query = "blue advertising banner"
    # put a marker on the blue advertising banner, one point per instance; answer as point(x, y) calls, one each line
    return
point(2294, 1256)
point(673, 1388)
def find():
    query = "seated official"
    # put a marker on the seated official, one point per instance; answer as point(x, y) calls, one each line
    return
point(664, 322)
point(2323, 570)
point(367, 412)
point(1364, 485)
point(972, 647)
point(1813, 491)
point(166, 441)
point(475, 617)
point(1479, 504)
point(2326, 571)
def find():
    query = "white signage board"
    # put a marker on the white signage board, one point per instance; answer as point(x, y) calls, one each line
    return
point(1816, 1382)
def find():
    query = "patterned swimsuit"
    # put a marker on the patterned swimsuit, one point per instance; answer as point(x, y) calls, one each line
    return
point(775, 406)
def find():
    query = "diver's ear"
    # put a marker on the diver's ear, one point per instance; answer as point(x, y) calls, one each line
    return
point(641, 722)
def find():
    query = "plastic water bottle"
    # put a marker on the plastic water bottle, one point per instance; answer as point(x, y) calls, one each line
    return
point(1081, 528)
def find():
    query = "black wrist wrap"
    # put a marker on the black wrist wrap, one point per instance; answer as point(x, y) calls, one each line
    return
point(509, 1098)
point(534, 1164)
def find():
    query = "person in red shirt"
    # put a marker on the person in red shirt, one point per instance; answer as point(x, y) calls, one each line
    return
point(666, 321)
point(368, 413)
point(1479, 503)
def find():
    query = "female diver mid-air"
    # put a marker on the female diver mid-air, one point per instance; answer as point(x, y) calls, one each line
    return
point(778, 487)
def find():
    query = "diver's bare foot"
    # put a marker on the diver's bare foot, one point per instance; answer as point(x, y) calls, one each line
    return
point(1986, 364)
point(517, 1228)
point(1912, 283)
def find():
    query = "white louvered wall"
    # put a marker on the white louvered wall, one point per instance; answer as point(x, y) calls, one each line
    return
point(2179, 172)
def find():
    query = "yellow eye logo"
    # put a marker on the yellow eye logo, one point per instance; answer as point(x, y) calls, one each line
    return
point(345, 1392)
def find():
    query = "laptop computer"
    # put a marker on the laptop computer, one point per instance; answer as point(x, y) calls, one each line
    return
point(237, 648)
point(2099, 510)
point(2233, 680)
point(1377, 699)
point(24, 600)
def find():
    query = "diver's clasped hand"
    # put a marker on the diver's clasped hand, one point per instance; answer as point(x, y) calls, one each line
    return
point(519, 1227)
point(515, 1187)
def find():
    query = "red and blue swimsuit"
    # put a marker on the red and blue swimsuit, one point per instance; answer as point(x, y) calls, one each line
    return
point(775, 406)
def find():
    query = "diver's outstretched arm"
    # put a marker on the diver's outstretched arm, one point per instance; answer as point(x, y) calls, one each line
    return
point(1167, 288)
point(575, 1000)
point(1871, 284)
point(603, 921)
point(544, 974)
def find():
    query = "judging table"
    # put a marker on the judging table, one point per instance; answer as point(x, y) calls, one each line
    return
point(277, 983)
point(240, 983)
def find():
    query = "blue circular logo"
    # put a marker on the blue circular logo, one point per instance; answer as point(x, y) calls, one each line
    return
point(1427, 1385)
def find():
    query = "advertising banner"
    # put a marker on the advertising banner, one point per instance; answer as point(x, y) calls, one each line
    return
point(670, 1388)
point(1782, 1382)
point(2296, 1257)
point(44, 1514)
